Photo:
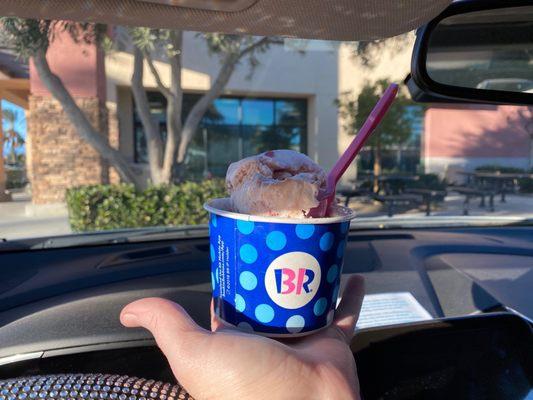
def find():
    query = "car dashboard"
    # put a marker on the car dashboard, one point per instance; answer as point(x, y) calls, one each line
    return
point(59, 309)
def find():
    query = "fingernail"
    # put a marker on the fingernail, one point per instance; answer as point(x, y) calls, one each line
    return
point(129, 319)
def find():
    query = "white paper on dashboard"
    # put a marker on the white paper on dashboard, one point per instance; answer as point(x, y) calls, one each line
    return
point(391, 309)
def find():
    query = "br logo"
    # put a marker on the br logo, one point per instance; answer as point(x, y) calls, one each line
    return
point(288, 281)
point(292, 280)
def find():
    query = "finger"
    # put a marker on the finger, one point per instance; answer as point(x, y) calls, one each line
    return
point(350, 305)
point(216, 323)
point(175, 332)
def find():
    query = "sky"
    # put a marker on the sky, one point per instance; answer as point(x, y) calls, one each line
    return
point(20, 124)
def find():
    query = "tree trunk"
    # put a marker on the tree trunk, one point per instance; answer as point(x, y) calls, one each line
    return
point(154, 142)
point(170, 165)
point(174, 107)
point(195, 116)
point(377, 164)
point(82, 124)
point(3, 178)
point(190, 126)
point(161, 156)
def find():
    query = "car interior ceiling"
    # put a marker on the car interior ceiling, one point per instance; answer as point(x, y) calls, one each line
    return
point(475, 282)
point(310, 19)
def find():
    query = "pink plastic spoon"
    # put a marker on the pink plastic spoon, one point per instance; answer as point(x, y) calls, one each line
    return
point(327, 196)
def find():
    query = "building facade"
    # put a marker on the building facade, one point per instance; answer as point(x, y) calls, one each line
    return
point(289, 102)
point(463, 138)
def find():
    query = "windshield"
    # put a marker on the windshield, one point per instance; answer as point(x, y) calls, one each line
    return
point(109, 128)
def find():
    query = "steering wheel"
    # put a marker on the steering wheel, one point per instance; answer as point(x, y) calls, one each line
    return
point(90, 387)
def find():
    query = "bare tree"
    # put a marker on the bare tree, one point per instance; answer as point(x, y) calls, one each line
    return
point(12, 137)
point(167, 155)
point(32, 38)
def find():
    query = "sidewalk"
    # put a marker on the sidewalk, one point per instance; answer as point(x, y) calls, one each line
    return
point(515, 205)
point(20, 219)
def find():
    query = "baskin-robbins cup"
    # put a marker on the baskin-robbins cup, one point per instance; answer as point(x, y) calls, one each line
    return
point(276, 276)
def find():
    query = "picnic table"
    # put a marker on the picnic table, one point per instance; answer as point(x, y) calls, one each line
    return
point(472, 192)
point(355, 191)
point(396, 191)
point(497, 182)
point(359, 187)
point(392, 200)
point(393, 190)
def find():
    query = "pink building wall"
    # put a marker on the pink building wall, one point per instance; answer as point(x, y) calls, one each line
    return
point(60, 158)
point(80, 66)
point(465, 137)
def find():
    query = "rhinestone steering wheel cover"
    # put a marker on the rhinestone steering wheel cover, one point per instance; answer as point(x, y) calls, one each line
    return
point(90, 387)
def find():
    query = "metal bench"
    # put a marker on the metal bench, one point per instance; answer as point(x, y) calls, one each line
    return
point(392, 200)
point(348, 194)
point(428, 196)
point(472, 192)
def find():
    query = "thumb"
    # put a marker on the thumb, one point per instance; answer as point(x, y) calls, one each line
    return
point(175, 332)
point(350, 306)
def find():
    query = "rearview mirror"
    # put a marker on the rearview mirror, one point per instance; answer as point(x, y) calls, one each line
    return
point(477, 51)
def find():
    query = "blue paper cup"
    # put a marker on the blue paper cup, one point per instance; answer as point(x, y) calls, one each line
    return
point(276, 276)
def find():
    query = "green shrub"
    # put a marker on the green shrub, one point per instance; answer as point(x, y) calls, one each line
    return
point(15, 177)
point(428, 181)
point(500, 168)
point(103, 207)
point(525, 185)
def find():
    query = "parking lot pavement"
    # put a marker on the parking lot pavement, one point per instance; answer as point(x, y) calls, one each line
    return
point(521, 205)
point(33, 227)
point(20, 219)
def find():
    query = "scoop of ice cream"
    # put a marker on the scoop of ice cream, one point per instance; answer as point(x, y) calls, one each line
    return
point(281, 183)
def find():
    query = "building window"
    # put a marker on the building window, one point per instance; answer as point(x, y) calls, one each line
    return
point(233, 128)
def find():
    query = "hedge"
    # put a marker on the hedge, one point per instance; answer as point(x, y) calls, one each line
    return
point(103, 207)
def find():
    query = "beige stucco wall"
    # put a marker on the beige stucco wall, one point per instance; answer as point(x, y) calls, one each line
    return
point(390, 61)
point(320, 75)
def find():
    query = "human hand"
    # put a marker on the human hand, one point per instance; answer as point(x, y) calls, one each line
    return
point(229, 364)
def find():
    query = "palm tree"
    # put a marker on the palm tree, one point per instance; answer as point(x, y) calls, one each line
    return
point(12, 137)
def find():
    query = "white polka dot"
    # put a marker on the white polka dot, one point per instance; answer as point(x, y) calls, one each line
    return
point(245, 326)
point(305, 231)
point(295, 323)
point(248, 280)
point(320, 306)
point(326, 241)
point(212, 252)
point(245, 227)
point(276, 240)
point(329, 318)
point(345, 226)
point(213, 280)
point(332, 273)
point(248, 253)
point(240, 304)
point(264, 313)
